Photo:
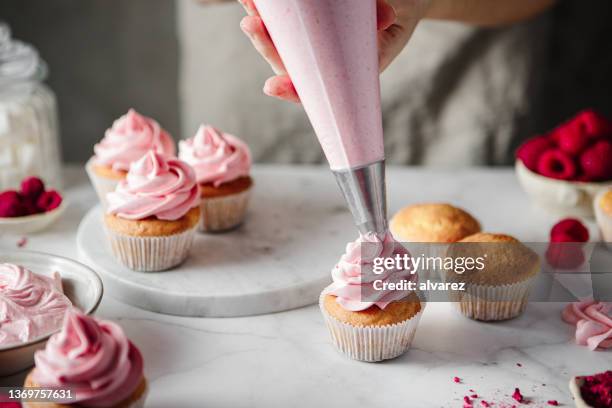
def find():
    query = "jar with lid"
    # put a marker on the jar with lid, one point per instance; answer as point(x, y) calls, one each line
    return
point(29, 133)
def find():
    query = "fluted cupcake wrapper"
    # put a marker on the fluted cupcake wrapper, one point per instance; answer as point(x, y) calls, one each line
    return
point(492, 303)
point(604, 221)
point(371, 344)
point(223, 213)
point(139, 403)
point(151, 254)
point(102, 185)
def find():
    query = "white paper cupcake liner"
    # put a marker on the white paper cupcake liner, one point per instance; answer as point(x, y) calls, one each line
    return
point(102, 185)
point(371, 344)
point(151, 254)
point(223, 213)
point(491, 303)
point(604, 221)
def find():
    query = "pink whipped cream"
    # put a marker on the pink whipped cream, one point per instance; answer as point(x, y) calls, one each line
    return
point(130, 138)
point(216, 157)
point(593, 321)
point(31, 305)
point(155, 186)
point(93, 358)
point(354, 278)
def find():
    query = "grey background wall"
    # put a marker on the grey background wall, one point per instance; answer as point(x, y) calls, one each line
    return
point(105, 56)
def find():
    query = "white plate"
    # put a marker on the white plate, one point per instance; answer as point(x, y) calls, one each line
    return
point(31, 223)
point(81, 285)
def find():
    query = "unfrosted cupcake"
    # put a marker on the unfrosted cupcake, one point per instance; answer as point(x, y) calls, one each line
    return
point(439, 223)
point(499, 288)
point(367, 322)
point(603, 213)
point(222, 165)
point(153, 214)
point(95, 361)
point(130, 137)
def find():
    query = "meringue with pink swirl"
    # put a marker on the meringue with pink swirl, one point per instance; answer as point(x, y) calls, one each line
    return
point(354, 277)
point(155, 186)
point(593, 321)
point(91, 357)
point(130, 138)
point(31, 305)
point(216, 157)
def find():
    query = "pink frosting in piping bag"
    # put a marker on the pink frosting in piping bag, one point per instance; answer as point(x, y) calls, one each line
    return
point(353, 276)
point(155, 186)
point(130, 138)
point(216, 157)
point(593, 321)
point(93, 358)
point(31, 305)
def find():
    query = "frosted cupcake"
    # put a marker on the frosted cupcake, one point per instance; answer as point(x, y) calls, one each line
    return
point(603, 213)
point(153, 214)
point(222, 165)
point(499, 290)
point(130, 137)
point(95, 361)
point(367, 323)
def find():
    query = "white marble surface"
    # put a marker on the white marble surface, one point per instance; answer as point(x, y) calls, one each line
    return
point(286, 359)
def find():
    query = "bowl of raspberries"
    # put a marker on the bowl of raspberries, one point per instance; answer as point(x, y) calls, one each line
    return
point(31, 208)
point(565, 169)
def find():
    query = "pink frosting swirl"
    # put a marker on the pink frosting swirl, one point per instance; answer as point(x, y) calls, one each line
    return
point(593, 321)
point(217, 157)
point(130, 138)
point(155, 186)
point(93, 358)
point(31, 305)
point(354, 277)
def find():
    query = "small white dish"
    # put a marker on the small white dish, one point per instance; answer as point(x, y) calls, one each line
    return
point(565, 198)
point(31, 223)
point(80, 283)
point(574, 385)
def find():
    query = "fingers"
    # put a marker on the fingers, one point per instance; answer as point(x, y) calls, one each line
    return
point(281, 87)
point(249, 7)
point(392, 41)
point(385, 15)
point(255, 29)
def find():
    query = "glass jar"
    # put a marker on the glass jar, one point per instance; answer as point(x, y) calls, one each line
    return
point(29, 135)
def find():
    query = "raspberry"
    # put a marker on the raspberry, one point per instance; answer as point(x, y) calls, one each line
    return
point(10, 196)
point(49, 200)
point(565, 254)
point(572, 142)
point(531, 150)
point(32, 187)
point(29, 206)
point(10, 204)
point(517, 396)
point(596, 161)
point(569, 230)
point(556, 164)
point(593, 124)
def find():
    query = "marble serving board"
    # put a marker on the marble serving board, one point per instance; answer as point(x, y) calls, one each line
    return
point(279, 259)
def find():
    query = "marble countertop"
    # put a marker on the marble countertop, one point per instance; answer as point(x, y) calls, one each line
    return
point(287, 359)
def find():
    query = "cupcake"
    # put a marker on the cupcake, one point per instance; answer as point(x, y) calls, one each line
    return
point(603, 213)
point(429, 227)
point(433, 223)
point(153, 214)
point(130, 138)
point(497, 287)
point(222, 164)
point(94, 360)
point(367, 320)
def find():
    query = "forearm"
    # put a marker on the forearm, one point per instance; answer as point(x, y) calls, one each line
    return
point(486, 12)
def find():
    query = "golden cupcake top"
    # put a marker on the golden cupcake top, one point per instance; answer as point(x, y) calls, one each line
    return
point(505, 260)
point(605, 202)
point(435, 222)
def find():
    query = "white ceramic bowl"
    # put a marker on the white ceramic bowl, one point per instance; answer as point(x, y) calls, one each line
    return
point(31, 223)
point(565, 198)
point(574, 386)
point(81, 284)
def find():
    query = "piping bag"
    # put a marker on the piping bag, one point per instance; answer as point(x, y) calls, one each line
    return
point(330, 51)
